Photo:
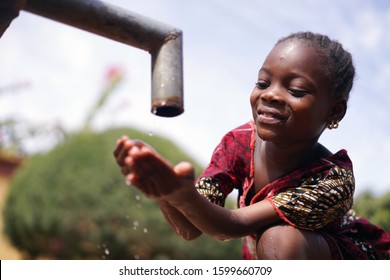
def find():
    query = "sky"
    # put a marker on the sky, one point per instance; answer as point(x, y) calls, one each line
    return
point(52, 73)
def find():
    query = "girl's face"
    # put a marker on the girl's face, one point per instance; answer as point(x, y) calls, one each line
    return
point(291, 101)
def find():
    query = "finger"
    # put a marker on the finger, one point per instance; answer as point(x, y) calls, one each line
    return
point(123, 146)
point(141, 184)
point(124, 152)
point(149, 172)
point(119, 145)
point(145, 161)
point(161, 178)
point(134, 161)
point(121, 151)
point(125, 170)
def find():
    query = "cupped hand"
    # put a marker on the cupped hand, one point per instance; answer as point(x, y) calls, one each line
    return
point(144, 168)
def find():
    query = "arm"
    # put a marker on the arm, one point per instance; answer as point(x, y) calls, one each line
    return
point(156, 178)
point(221, 223)
point(179, 222)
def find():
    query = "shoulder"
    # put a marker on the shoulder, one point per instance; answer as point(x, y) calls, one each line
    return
point(324, 194)
point(244, 129)
point(242, 134)
point(231, 159)
point(341, 159)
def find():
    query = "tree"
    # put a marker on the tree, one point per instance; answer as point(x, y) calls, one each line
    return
point(375, 208)
point(72, 203)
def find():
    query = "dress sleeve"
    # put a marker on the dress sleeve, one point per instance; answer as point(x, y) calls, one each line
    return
point(210, 189)
point(220, 178)
point(319, 200)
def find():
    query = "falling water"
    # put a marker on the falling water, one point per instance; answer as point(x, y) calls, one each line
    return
point(138, 199)
point(106, 251)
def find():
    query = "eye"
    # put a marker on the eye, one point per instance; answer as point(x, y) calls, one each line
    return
point(297, 92)
point(262, 85)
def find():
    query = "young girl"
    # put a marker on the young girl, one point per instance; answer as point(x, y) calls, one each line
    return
point(295, 196)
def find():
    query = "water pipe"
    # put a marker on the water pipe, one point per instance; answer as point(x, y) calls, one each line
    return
point(162, 41)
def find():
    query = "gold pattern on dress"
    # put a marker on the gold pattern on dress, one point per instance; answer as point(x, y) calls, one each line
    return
point(209, 188)
point(319, 200)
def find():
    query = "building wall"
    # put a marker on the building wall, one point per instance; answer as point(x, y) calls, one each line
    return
point(7, 168)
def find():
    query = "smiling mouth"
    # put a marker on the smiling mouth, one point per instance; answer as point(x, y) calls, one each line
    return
point(270, 117)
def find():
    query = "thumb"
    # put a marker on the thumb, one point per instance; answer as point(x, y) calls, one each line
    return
point(185, 169)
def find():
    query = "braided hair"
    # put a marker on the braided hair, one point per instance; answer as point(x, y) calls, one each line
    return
point(338, 62)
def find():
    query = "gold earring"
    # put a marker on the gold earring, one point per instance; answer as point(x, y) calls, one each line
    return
point(333, 125)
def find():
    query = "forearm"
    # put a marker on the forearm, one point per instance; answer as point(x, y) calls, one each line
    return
point(221, 223)
point(179, 222)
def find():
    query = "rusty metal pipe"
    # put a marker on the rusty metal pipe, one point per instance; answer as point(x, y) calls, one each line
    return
point(9, 10)
point(162, 41)
point(167, 79)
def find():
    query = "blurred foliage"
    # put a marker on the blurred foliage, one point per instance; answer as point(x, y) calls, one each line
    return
point(375, 208)
point(72, 203)
point(15, 133)
point(113, 79)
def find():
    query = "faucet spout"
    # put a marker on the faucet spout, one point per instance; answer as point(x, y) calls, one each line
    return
point(167, 78)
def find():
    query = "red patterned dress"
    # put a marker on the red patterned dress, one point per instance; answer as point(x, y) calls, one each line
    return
point(316, 197)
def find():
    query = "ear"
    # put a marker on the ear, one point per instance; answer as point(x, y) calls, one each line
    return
point(338, 110)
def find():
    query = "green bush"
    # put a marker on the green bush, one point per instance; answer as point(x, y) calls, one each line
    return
point(72, 203)
point(375, 208)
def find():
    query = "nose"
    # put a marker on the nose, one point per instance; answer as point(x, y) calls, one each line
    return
point(272, 94)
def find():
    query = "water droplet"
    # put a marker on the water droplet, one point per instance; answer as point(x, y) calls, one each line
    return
point(145, 230)
point(106, 251)
point(135, 225)
point(150, 133)
point(138, 197)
